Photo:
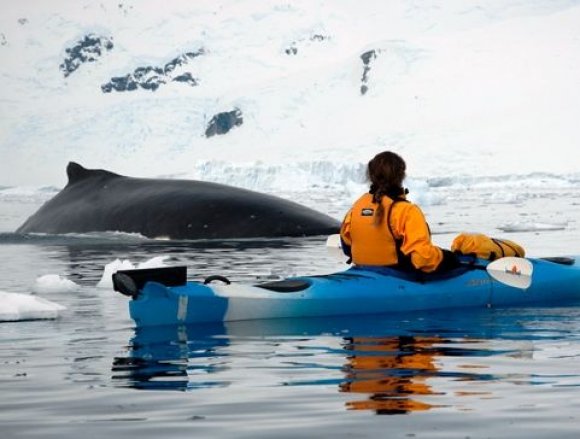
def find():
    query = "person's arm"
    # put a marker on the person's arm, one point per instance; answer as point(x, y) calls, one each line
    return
point(345, 238)
point(413, 227)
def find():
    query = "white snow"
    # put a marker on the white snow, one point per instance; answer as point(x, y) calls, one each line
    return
point(476, 88)
point(16, 306)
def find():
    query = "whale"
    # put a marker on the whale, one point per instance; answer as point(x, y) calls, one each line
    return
point(97, 200)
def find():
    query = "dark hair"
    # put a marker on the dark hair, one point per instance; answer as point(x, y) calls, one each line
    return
point(386, 172)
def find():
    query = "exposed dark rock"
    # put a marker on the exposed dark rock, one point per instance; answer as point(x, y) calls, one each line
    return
point(3, 41)
point(144, 77)
point(89, 49)
point(292, 50)
point(125, 8)
point(119, 83)
point(366, 57)
point(221, 123)
point(182, 60)
point(151, 77)
point(23, 21)
point(318, 37)
point(187, 78)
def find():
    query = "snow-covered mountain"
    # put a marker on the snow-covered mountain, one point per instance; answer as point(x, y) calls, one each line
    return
point(310, 89)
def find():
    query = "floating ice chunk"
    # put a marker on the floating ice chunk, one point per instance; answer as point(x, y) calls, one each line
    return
point(531, 227)
point(503, 198)
point(16, 306)
point(118, 264)
point(112, 267)
point(53, 283)
point(355, 189)
point(420, 191)
point(156, 262)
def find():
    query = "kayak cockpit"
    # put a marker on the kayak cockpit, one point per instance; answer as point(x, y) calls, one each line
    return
point(286, 285)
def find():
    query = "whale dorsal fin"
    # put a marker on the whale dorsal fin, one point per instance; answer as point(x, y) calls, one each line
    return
point(76, 172)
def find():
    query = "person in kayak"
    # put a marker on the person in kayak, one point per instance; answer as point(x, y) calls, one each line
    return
point(384, 229)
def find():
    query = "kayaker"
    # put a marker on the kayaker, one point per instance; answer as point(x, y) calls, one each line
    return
point(384, 229)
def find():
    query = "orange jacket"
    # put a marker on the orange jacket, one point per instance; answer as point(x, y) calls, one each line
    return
point(375, 245)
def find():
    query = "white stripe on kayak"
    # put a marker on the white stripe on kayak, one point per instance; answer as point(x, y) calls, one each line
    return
point(182, 308)
point(246, 302)
point(250, 292)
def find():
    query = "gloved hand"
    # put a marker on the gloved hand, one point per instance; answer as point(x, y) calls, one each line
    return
point(449, 261)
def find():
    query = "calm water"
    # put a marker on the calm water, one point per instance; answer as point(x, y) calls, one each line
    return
point(486, 373)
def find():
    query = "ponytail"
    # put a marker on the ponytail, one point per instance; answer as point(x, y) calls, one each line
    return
point(380, 212)
point(386, 172)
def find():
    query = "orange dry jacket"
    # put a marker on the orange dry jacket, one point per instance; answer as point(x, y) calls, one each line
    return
point(375, 245)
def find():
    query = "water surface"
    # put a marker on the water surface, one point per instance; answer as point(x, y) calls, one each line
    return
point(483, 373)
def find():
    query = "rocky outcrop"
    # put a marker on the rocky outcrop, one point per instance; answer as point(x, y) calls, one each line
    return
point(89, 49)
point(125, 8)
point(292, 48)
point(186, 78)
point(221, 123)
point(367, 58)
point(152, 77)
point(3, 41)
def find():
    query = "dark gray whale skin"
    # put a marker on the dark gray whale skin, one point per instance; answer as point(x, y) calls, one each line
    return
point(99, 201)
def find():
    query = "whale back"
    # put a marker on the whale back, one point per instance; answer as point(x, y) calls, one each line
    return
point(96, 200)
point(77, 173)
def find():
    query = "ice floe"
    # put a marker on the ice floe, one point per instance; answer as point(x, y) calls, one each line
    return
point(526, 226)
point(125, 264)
point(17, 306)
point(54, 283)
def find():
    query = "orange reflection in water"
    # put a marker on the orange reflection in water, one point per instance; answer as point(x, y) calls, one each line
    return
point(392, 371)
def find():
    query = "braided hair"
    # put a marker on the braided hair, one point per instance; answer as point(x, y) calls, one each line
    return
point(386, 172)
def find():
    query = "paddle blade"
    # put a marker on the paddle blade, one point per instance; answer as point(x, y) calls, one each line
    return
point(334, 247)
point(333, 241)
point(511, 271)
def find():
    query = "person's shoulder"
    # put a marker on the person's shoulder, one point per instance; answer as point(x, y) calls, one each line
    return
point(408, 207)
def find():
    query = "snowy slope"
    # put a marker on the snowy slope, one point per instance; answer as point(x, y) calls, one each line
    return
point(459, 88)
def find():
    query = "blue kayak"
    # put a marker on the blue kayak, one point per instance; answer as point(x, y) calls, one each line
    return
point(163, 296)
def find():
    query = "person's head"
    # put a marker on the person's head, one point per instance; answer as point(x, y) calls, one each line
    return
point(386, 172)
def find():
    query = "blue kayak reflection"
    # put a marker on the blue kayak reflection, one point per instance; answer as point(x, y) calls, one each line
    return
point(164, 358)
point(381, 364)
